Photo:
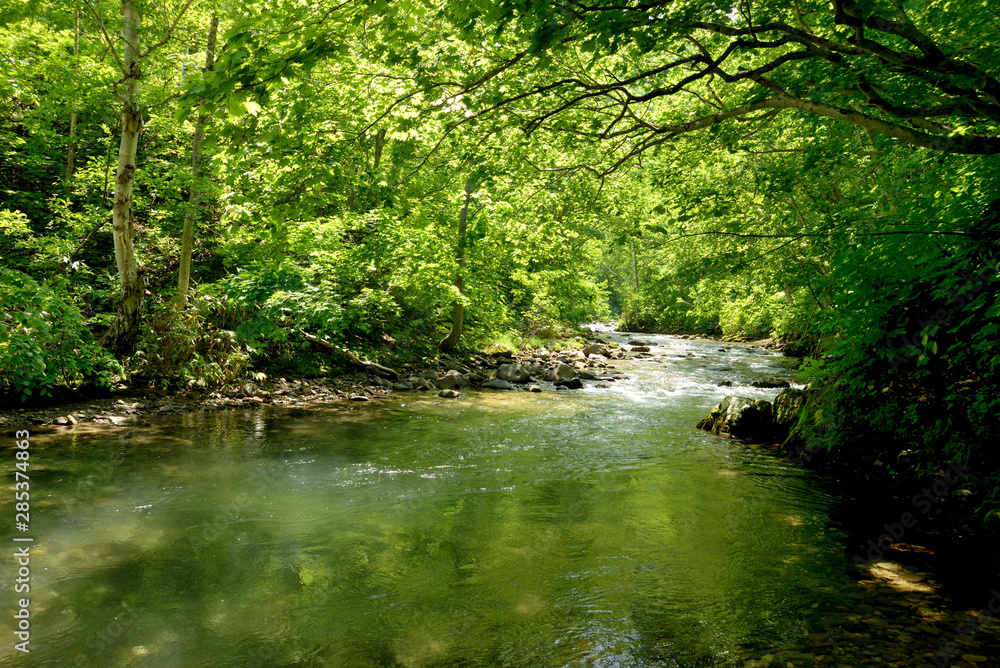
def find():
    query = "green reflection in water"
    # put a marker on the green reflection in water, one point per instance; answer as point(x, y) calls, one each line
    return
point(500, 530)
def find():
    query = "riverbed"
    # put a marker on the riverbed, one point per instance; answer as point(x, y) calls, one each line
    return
point(594, 527)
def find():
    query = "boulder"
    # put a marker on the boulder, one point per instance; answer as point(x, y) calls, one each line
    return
point(786, 407)
point(449, 394)
point(430, 374)
point(499, 351)
point(561, 372)
point(596, 349)
point(513, 373)
point(532, 368)
point(534, 388)
point(769, 383)
point(453, 380)
point(565, 372)
point(740, 417)
point(497, 384)
point(570, 384)
point(403, 387)
point(640, 349)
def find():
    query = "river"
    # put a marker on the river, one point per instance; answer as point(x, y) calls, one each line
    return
point(575, 528)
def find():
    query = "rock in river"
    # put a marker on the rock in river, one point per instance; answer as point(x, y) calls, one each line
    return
point(561, 372)
point(497, 384)
point(513, 373)
point(740, 417)
point(596, 349)
point(768, 383)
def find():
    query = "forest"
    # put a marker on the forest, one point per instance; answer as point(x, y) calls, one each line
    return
point(189, 186)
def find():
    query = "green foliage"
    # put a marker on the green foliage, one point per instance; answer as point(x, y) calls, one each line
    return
point(340, 139)
point(44, 340)
point(187, 348)
point(16, 239)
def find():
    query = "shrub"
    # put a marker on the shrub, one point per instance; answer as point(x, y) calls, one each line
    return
point(44, 340)
point(186, 348)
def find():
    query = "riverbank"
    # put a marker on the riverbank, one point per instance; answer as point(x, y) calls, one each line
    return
point(446, 375)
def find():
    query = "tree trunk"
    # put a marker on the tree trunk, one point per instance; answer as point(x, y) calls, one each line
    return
point(71, 149)
point(194, 196)
point(458, 310)
point(121, 336)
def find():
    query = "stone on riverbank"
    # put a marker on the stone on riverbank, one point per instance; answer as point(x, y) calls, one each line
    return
point(453, 380)
point(787, 405)
point(513, 373)
point(755, 419)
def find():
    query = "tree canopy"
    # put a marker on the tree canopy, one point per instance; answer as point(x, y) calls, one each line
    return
point(403, 177)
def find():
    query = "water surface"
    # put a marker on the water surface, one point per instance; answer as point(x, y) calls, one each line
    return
point(588, 528)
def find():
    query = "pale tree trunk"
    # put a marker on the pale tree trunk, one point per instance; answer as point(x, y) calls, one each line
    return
point(194, 197)
point(121, 336)
point(458, 310)
point(71, 149)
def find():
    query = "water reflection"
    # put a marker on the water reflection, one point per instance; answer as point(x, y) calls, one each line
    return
point(505, 529)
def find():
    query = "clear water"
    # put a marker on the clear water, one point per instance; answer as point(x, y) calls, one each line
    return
point(589, 528)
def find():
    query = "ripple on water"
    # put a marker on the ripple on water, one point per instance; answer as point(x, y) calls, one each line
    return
point(573, 528)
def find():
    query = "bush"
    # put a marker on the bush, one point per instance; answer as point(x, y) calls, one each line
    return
point(44, 341)
point(186, 348)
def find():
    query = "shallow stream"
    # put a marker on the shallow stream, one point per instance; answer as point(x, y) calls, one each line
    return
point(573, 528)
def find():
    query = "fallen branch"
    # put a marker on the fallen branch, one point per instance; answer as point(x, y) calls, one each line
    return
point(370, 366)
